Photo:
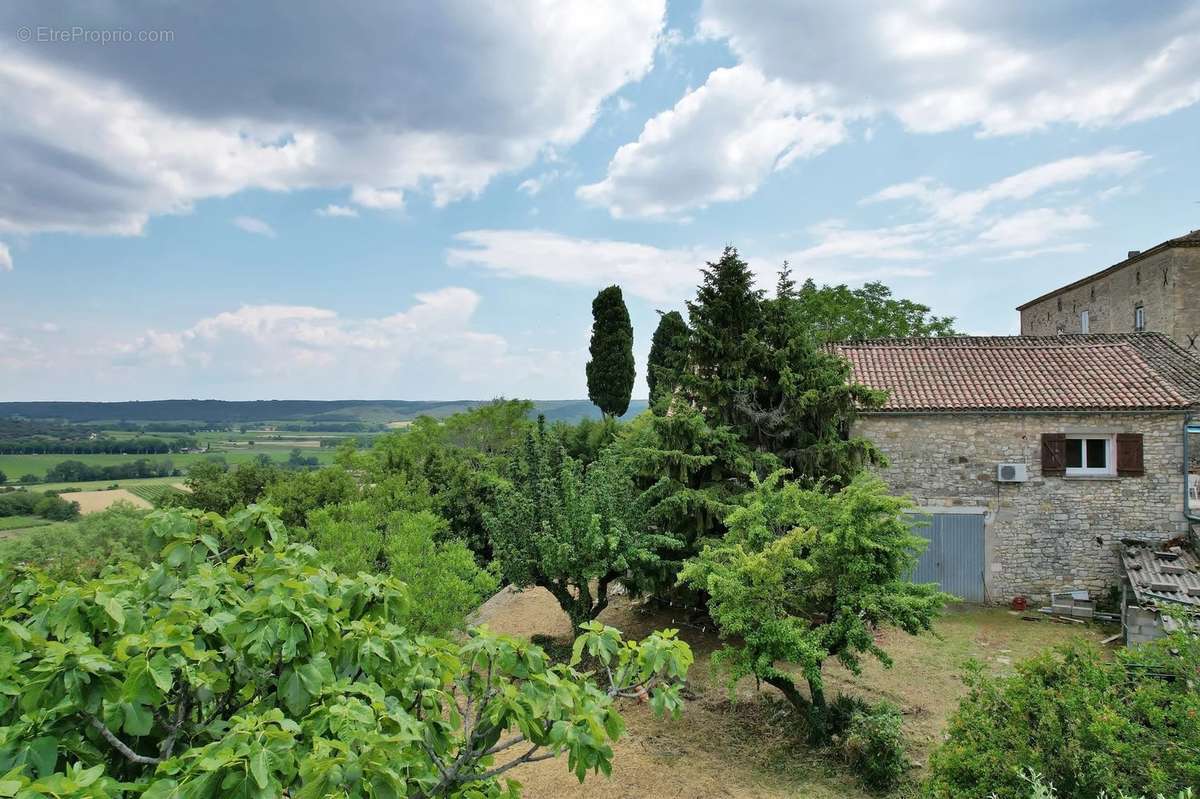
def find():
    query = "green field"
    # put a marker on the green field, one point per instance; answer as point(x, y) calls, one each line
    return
point(45, 528)
point(96, 485)
point(21, 522)
point(153, 492)
point(17, 465)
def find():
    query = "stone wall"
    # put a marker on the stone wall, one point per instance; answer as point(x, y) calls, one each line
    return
point(1050, 532)
point(1166, 284)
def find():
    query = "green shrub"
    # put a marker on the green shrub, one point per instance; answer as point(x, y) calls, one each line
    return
point(238, 665)
point(874, 748)
point(81, 550)
point(55, 508)
point(408, 545)
point(1085, 723)
point(17, 503)
point(1038, 789)
point(869, 739)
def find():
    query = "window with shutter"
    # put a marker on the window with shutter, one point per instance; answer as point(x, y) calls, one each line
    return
point(1054, 454)
point(1129, 455)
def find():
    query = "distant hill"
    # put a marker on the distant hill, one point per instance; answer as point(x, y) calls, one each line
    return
point(226, 412)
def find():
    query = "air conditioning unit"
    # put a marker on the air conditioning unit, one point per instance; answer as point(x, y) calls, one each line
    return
point(1011, 473)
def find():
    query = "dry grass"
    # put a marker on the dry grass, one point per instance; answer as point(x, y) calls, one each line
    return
point(747, 744)
point(94, 501)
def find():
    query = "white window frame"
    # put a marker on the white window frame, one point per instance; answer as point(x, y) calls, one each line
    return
point(1191, 435)
point(1110, 456)
point(1083, 322)
point(1139, 318)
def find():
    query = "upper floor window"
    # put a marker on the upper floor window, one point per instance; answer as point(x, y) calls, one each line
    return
point(1096, 454)
point(1083, 321)
point(1139, 319)
point(1090, 455)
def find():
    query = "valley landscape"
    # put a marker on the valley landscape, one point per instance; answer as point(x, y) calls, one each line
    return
point(619, 400)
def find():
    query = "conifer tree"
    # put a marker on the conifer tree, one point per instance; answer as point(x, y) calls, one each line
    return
point(611, 370)
point(668, 355)
point(724, 320)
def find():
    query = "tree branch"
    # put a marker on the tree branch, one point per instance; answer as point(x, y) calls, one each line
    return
point(528, 757)
point(500, 747)
point(181, 710)
point(118, 744)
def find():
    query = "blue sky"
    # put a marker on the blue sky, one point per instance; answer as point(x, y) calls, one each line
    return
point(297, 202)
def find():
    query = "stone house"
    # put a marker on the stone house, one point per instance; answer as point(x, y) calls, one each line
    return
point(1030, 458)
point(1155, 291)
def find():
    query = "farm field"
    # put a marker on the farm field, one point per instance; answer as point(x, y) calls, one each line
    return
point(737, 746)
point(93, 501)
point(42, 526)
point(17, 465)
point(154, 493)
point(267, 438)
point(8, 523)
point(93, 485)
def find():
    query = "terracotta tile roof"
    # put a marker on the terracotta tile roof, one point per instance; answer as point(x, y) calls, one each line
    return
point(1119, 371)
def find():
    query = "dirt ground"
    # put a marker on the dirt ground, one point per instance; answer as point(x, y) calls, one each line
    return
point(739, 746)
point(94, 501)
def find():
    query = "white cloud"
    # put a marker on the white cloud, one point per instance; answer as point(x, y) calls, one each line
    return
point(531, 186)
point(670, 275)
point(333, 210)
point(836, 241)
point(989, 222)
point(654, 273)
point(994, 67)
point(962, 207)
point(808, 68)
point(254, 225)
point(1037, 225)
point(1057, 249)
point(396, 98)
point(20, 353)
point(293, 345)
point(717, 144)
point(371, 197)
point(992, 221)
point(49, 327)
point(6, 261)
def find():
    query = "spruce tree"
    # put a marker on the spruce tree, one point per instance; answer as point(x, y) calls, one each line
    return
point(755, 367)
point(724, 319)
point(611, 370)
point(668, 355)
point(802, 401)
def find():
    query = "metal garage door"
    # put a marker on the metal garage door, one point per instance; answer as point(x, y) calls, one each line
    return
point(954, 557)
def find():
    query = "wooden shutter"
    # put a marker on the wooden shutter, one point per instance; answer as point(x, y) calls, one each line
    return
point(1054, 454)
point(1129, 455)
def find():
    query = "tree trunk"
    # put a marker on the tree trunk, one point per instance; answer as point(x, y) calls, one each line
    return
point(815, 712)
point(818, 716)
point(791, 693)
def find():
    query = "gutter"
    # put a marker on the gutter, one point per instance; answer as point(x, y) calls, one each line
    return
point(1036, 412)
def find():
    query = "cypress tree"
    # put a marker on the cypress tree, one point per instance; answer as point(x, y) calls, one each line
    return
point(611, 370)
point(668, 354)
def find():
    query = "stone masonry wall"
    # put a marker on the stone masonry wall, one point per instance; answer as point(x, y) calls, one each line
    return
point(1050, 532)
point(1166, 284)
